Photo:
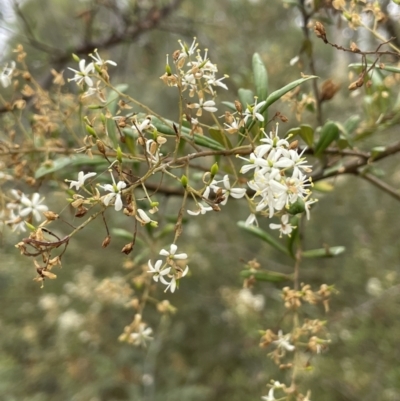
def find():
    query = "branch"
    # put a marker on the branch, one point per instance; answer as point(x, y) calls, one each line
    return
point(381, 185)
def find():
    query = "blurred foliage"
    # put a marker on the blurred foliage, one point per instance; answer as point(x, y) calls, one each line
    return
point(60, 342)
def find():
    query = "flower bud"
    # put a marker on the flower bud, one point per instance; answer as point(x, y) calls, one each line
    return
point(90, 130)
point(76, 58)
point(101, 147)
point(127, 249)
point(214, 170)
point(106, 242)
point(297, 207)
point(119, 154)
point(184, 181)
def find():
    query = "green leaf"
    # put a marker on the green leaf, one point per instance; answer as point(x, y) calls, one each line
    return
point(376, 151)
point(263, 235)
point(307, 134)
point(266, 275)
point(112, 103)
point(351, 124)
point(329, 133)
point(276, 95)
point(230, 105)
point(63, 162)
point(328, 252)
point(220, 137)
point(260, 77)
point(53, 166)
point(389, 68)
point(246, 96)
point(198, 139)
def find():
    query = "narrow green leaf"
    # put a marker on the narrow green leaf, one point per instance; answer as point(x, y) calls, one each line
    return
point(376, 151)
point(276, 95)
point(230, 105)
point(260, 77)
point(389, 68)
point(246, 96)
point(307, 134)
point(63, 162)
point(198, 139)
point(266, 275)
point(329, 134)
point(351, 124)
point(263, 235)
point(220, 137)
point(53, 166)
point(324, 252)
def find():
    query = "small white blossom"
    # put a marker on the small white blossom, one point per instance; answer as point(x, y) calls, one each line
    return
point(284, 228)
point(83, 74)
point(172, 285)
point(283, 342)
point(252, 111)
point(200, 210)
point(157, 273)
point(81, 180)
point(144, 218)
point(99, 61)
point(236, 193)
point(252, 219)
point(5, 75)
point(142, 335)
point(208, 105)
point(115, 193)
point(32, 206)
point(187, 51)
point(270, 396)
point(171, 254)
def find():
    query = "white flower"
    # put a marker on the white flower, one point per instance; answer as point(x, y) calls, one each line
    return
point(142, 335)
point(16, 222)
point(174, 280)
point(252, 111)
point(187, 51)
point(115, 192)
point(144, 125)
point(208, 105)
point(33, 206)
point(283, 342)
point(171, 254)
point(83, 74)
point(252, 219)
point(284, 227)
point(170, 285)
point(144, 218)
point(270, 396)
point(201, 210)
point(6, 74)
point(236, 193)
point(81, 180)
point(157, 273)
point(99, 61)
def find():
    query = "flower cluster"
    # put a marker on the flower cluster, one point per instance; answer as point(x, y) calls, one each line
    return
point(199, 77)
point(279, 181)
point(86, 72)
point(169, 269)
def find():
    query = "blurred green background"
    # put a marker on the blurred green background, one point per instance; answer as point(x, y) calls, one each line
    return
point(60, 342)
